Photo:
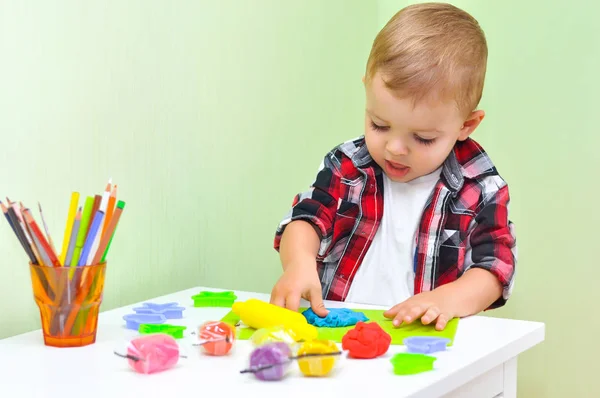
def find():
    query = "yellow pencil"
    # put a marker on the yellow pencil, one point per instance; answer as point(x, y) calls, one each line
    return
point(69, 226)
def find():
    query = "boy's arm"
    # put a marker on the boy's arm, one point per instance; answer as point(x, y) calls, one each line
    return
point(487, 277)
point(302, 236)
point(317, 207)
point(476, 290)
point(299, 245)
point(493, 248)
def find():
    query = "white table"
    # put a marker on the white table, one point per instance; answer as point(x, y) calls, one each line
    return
point(482, 363)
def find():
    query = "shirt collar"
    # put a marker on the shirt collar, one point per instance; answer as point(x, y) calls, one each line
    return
point(466, 160)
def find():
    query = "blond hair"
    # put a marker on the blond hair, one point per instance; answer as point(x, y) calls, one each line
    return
point(432, 51)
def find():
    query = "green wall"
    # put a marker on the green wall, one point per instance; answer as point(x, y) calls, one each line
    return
point(210, 115)
point(542, 132)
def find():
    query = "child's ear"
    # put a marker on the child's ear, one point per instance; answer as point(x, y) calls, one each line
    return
point(470, 124)
point(363, 79)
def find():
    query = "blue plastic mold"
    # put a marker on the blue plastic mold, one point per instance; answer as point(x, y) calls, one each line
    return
point(133, 321)
point(425, 344)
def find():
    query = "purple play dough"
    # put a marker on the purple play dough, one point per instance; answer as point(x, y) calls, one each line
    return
point(268, 354)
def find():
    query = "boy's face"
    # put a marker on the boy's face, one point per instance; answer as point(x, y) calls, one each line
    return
point(409, 141)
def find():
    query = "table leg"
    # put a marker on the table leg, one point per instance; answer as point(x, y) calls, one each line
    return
point(487, 385)
point(510, 378)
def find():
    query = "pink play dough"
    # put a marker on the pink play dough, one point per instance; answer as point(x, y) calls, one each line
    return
point(157, 352)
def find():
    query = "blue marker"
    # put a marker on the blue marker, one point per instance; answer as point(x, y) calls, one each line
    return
point(89, 241)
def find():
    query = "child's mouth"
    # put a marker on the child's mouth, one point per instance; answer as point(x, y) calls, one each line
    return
point(397, 170)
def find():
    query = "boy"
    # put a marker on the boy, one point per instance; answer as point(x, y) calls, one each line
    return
point(413, 215)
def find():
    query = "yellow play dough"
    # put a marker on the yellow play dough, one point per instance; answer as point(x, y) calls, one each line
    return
point(259, 314)
point(317, 366)
point(273, 334)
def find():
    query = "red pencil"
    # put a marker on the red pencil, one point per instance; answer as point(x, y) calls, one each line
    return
point(40, 236)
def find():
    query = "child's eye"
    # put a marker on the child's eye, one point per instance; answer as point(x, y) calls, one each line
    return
point(377, 127)
point(424, 141)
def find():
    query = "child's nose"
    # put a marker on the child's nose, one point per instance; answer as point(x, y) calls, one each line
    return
point(396, 147)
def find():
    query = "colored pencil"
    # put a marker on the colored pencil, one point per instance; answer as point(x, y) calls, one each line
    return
point(16, 209)
point(48, 290)
point(120, 207)
point(24, 227)
point(45, 259)
point(83, 228)
point(95, 207)
point(89, 241)
point(5, 211)
point(69, 226)
point(73, 239)
point(19, 210)
point(45, 247)
point(34, 246)
point(107, 237)
point(103, 206)
point(21, 223)
point(110, 209)
point(48, 236)
point(20, 235)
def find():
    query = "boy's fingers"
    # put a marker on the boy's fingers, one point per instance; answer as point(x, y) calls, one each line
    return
point(442, 320)
point(316, 303)
point(400, 315)
point(277, 299)
point(398, 319)
point(415, 312)
point(292, 302)
point(392, 312)
point(431, 314)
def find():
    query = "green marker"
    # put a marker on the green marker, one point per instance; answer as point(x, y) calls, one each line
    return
point(116, 217)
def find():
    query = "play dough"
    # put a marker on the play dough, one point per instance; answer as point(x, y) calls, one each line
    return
point(318, 365)
point(337, 317)
point(270, 361)
point(272, 334)
point(153, 353)
point(258, 314)
point(217, 337)
point(366, 340)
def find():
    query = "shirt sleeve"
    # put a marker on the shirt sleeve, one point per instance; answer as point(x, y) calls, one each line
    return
point(492, 242)
point(317, 205)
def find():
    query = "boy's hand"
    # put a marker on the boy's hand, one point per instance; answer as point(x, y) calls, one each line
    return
point(436, 305)
point(297, 282)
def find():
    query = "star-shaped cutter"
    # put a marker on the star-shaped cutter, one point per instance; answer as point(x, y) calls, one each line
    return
point(214, 299)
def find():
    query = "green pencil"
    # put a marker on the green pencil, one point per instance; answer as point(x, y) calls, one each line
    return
point(114, 221)
point(85, 220)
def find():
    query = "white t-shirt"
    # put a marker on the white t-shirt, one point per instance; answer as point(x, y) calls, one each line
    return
point(386, 275)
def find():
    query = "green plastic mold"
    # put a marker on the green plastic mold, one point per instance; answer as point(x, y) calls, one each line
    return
point(214, 299)
point(172, 330)
point(408, 363)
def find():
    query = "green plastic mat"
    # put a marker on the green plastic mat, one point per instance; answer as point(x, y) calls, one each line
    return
point(335, 334)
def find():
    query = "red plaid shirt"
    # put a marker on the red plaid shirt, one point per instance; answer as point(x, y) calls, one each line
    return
point(464, 224)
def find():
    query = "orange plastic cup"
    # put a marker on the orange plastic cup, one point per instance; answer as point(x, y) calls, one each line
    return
point(69, 301)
